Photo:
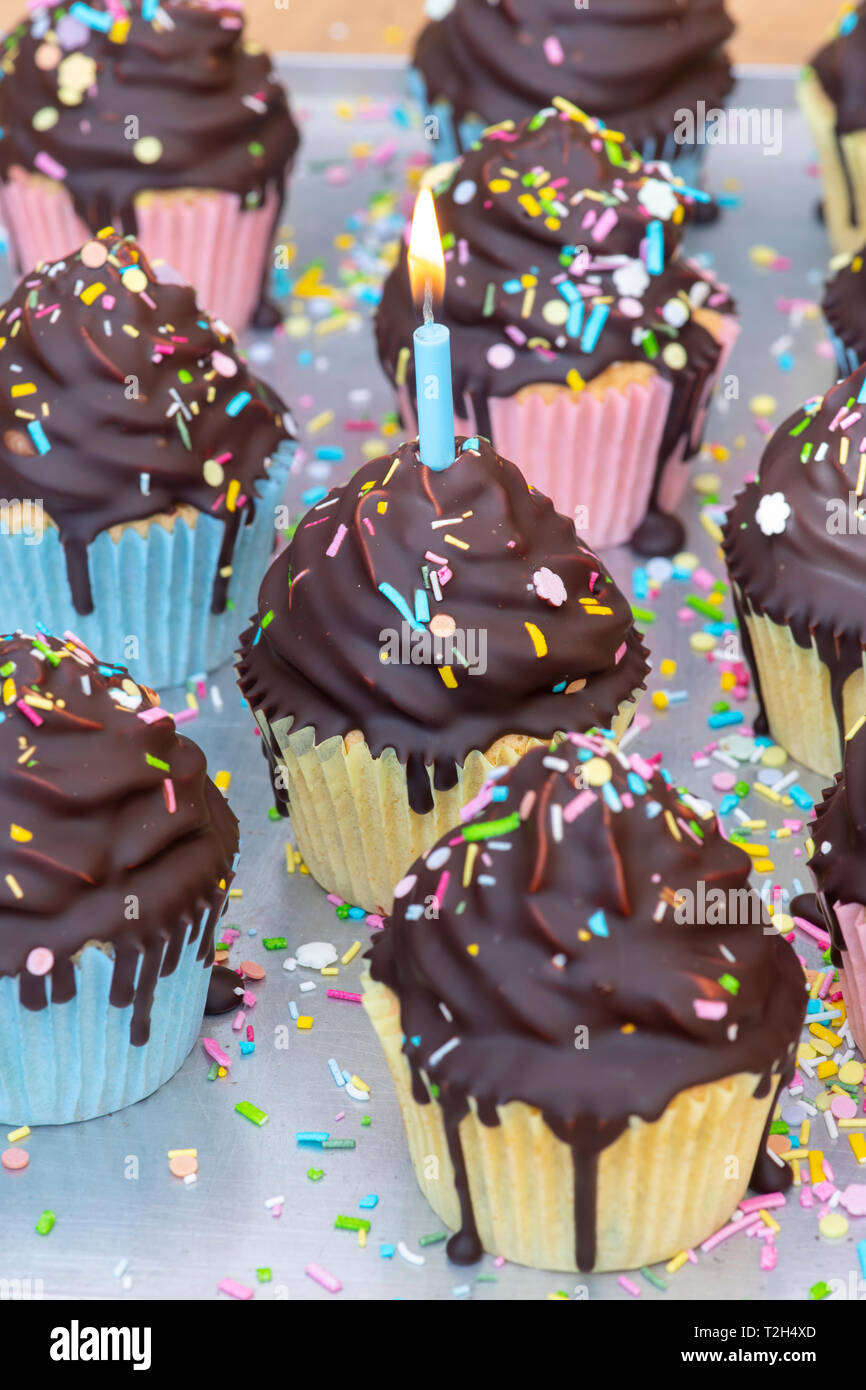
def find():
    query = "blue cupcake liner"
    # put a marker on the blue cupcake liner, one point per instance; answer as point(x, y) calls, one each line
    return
point(453, 138)
point(74, 1061)
point(847, 360)
point(156, 588)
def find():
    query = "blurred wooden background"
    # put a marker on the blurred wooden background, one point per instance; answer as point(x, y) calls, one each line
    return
point(771, 31)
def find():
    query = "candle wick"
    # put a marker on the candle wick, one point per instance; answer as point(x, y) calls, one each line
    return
point(428, 301)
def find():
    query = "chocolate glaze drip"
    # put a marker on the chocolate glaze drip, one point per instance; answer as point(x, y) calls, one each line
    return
point(569, 920)
point(189, 78)
point(136, 395)
point(635, 63)
point(221, 996)
point(838, 864)
point(504, 339)
point(96, 853)
point(839, 67)
point(313, 655)
point(844, 302)
point(806, 569)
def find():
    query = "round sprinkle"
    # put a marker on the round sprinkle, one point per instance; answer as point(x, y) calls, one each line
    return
point(685, 560)
point(77, 72)
point(702, 641)
point(501, 355)
point(833, 1226)
point(763, 406)
point(46, 117)
point(555, 311)
point(723, 781)
point(47, 56)
point(17, 442)
point(405, 885)
point(675, 356)
point(659, 568)
point(147, 149)
point(253, 970)
point(213, 472)
point(134, 279)
point(774, 756)
point(632, 308)
point(438, 857)
point(39, 961)
point(706, 483)
point(596, 772)
point(14, 1159)
point(675, 313)
point(183, 1164)
point(851, 1073)
point(465, 191)
point(843, 1107)
point(442, 625)
point(226, 366)
point(94, 254)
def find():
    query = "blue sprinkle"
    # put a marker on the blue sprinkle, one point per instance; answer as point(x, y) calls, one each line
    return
point(313, 495)
point(39, 437)
point(368, 1203)
point(640, 583)
point(237, 403)
point(334, 1069)
point(312, 1136)
point(558, 689)
point(293, 1009)
point(725, 719)
point(598, 922)
point(801, 798)
point(652, 809)
point(422, 606)
point(861, 1256)
point(96, 19)
point(387, 1251)
point(594, 324)
point(402, 606)
point(611, 796)
point(330, 453)
point(473, 443)
point(636, 784)
point(728, 803)
point(512, 286)
point(246, 1047)
point(655, 256)
point(568, 291)
point(356, 913)
point(574, 322)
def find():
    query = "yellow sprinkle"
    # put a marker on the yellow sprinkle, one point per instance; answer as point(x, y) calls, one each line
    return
point(855, 728)
point(816, 985)
point(351, 953)
point(574, 380)
point(448, 676)
point(223, 781)
point(536, 636)
point(130, 331)
point(15, 1134)
point(532, 205)
point(766, 792)
point(473, 949)
point(179, 1153)
point(763, 866)
point(232, 494)
point(362, 1238)
point(304, 1022)
point(754, 850)
point(319, 421)
point(851, 1124)
point(452, 540)
point(677, 1262)
point(469, 862)
point(672, 825)
point(24, 388)
point(20, 835)
point(816, 1166)
point(768, 1221)
point(668, 667)
point(499, 185)
point(712, 529)
point(804, 1133)
point(330, 970)
point(851, 1073)
point(236, 892)
point(858, 1144)
point(820, 1031)
point(402, 364)
point(92, 292)
point(361, 1085)
point(825, 1069)
point(290, 859)
point(14, 885)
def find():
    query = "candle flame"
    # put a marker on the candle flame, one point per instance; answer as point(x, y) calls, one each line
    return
point(426, 258)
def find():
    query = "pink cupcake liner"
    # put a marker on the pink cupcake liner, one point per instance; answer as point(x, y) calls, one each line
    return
point(852, 924)
point(210, 239)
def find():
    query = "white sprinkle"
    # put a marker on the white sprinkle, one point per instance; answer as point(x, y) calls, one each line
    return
point(409, 1255)
point(442, 1051)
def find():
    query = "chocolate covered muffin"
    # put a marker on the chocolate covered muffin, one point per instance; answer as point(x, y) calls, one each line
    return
point(140, 464)
point(586, 1058)
point(832, 95)
point(584, 344)
point(651, 68)
point(114, 869)
point(160, 120)
point(793, 543)
point(421, 629)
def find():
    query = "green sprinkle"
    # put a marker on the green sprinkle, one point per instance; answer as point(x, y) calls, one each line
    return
point(263, 1275)
point(273, 813)
point(274, 943)
point(157, 762)
point(7, 669)
point(213, 1072)
point(256, 148)
point(351, 1223)
point(45, 1224)
point(721, 707)
point(185, 377)
point(315, 1174)
point(804, 424)
point(338, 1144)
point(366, 1121)
point(489, 301)
point(267, 619)
point(487, 829)
point(435, 1239)
point(653, 1279)
point(643, 615)
point(251, 1112)
point(700, 605)
point(819, 1291)
point(779, 1127)
point(742, 788)
point(729, 983)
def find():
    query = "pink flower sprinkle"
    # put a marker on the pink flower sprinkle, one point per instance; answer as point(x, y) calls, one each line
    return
point(549, 587)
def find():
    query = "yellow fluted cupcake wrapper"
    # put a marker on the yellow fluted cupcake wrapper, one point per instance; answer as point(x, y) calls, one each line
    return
point(350, 812)
point(795, 688)
point(820, 112)
point(662, 1187)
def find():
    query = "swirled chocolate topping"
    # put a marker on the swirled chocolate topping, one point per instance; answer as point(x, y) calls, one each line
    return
point(112, 831)
point(437, 612)
point(563, 258)
point(839, 68)
point(634, 63)
point(838, 864)
point(121, 399)
point(596, 951)
point(794, 537)
point(844, 302)
point(113, 99)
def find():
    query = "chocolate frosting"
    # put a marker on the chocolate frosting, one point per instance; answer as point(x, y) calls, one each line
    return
point(113, 832)
point(120, 399)
point(381, 547)
point(556, 912)
point(838, 863)
point(634, 63)
point(185, 74)
point(839, 67)
point(791, 539)
point(563, 258)
point(844, 302)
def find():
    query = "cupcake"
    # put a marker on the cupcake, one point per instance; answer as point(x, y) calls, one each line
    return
point(844, 306)
point(586, 1022)
point(838, 866)
point(832, 96)
point(651, 68)
point(118, 855)
point(584, 346)
point(159, 119)
point(793, 544)
point(422, 629)
point(140, 464)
